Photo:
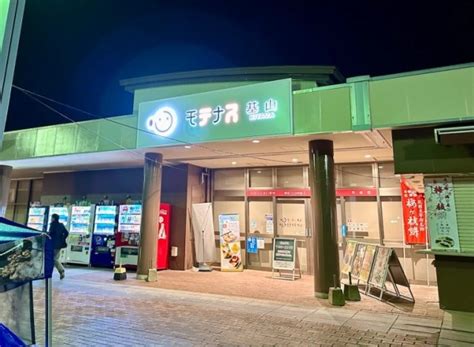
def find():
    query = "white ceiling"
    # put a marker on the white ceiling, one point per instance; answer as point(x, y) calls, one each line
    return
point(348, 147)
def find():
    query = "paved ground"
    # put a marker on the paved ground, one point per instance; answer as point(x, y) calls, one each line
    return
point(90, 309)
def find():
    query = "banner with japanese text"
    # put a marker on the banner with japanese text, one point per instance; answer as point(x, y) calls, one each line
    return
point(254, 110)
point(441, 210)
point(414, 217)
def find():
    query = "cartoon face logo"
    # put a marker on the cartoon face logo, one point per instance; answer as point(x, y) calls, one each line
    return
point(163, 121)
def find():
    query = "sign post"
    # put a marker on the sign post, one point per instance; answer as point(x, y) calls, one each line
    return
point(284, 259)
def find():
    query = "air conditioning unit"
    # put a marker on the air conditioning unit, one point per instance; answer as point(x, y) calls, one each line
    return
point(454, 135)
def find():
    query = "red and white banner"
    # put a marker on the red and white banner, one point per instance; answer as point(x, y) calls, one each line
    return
point(414, 217)
point(306, 192)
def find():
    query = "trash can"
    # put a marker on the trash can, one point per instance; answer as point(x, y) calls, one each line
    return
point(455, 275)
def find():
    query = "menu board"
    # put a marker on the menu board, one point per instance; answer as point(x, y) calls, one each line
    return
point(130, 218)
point(367, 263)
point(80, 219)
point(348, 256)
point(358, 259)
point(105, 219)
point(441, 211)
point(36, 218)
point(229, 230)
point(284, 251)
point(379, 271)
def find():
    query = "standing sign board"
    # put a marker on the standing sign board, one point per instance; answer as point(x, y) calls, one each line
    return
point(284, 257)
point(229, 230)
point(442, 220)
point(366, 267)
point(348, 257)
point(11, 15)
point(254, 110)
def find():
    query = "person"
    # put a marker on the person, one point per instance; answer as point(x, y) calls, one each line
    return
point(58, 234)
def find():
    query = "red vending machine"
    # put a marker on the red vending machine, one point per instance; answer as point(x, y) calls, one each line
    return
point(163, 249)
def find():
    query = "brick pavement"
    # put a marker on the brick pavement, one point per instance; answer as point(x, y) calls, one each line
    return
point(88, 311)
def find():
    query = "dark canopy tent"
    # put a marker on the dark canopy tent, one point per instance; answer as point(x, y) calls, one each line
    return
point(25, 255)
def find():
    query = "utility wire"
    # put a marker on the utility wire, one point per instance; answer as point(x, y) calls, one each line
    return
point(36, 96)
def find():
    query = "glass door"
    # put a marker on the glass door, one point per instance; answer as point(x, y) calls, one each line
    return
point(293, 221)
point(260, 227)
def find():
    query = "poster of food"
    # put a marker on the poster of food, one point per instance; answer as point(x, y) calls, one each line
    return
point(348, 256)
point(358, 259)
point(441, 211)
point(380, 268)
point(367, 263)
point(229, 230)
point(414, 220)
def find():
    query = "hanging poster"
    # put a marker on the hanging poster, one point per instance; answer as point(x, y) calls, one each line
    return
point(367, 263)
point(269, 223)
point(414, 221)
point(203, 227)
point(348, 256)
point(229, 231)
point(441, 209)
point(358, 259)
point(252, 245)
point(284, 251)
point(380, 268)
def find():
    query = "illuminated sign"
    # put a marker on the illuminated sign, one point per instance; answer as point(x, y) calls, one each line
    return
point(255, 110)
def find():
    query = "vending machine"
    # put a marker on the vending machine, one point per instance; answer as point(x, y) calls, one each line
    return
point(163, 249)
point(38, 218)
point(128, 235)
point(103, 238)
point(63, 212)
point(79, 242)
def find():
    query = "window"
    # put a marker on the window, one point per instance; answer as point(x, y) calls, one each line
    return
point(229, 180)
point(387, 176)
point(261, 178)
point(290, 177)
point(357, 176)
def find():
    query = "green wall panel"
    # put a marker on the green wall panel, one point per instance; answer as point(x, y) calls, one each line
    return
point(45, 141)
point(415, 151)
point(322, 110)
point(25, 144)
point(65, 139)
point(423, 98)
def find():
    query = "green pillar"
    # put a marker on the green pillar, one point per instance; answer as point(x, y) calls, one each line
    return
point(323, 204)
point(150, 214)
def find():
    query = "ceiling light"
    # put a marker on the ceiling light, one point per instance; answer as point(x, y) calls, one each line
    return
point(367, 156)
point(294, 160)
point(234, 163)
point(255, 141)
point(381, 167)
point(259, 171)
point(187, 147)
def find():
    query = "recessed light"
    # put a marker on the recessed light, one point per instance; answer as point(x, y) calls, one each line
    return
point(187, 147)
point(294, 160)
point(259, 171)
point(255, 141)
point(367, 156)
point(234, 163)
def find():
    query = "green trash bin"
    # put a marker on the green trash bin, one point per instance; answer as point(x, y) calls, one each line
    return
point(455, 275)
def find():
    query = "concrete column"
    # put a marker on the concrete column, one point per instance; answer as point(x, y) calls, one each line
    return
point(323, 203)
point(150, 214)
point(5, 174)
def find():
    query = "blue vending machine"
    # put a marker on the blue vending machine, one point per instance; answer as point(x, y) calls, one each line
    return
point(103, 238)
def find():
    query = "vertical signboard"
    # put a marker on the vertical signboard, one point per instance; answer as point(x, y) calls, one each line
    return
point(11, 15)
point(284, 254)
point(229, 230)
point(414, 221)
point(441, 209)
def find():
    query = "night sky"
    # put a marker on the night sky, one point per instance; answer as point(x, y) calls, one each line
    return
point(76, 51)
